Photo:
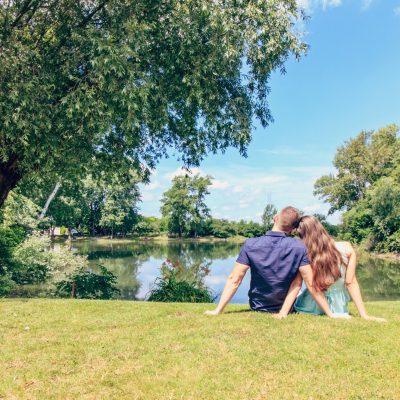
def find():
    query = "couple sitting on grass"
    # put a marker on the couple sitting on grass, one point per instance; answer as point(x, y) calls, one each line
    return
point(279, 263)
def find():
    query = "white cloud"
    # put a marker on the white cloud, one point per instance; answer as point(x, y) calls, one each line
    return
point(397, 11)
point(238, 189)
point(151, 186)
point(217, 184)
point(146, 196)
point(366, 4)
point(182, 172)
point(309, 5)
point(243, 204)
point(267, 180)
point(313, 208)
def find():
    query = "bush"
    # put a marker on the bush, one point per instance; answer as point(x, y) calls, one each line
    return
point(10, 238)
point(181, 285)
point(6, 284)
point(222, 228)
point(393, 243)
point(357, 224)
point(35, 261)
point(89, 285)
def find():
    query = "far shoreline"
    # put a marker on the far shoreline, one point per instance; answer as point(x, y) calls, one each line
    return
point(206, 239)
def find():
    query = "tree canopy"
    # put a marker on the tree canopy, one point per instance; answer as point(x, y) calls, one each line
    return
point(359, 163)
point(118, 83)
point(184, 204)
point(367, 186)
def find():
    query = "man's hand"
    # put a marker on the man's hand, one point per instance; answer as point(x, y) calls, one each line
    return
point(212, 312)
point(279, 316)
point(371, 318)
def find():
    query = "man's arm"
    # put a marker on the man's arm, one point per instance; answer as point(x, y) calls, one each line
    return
point(318, 295)
point(294, 290)
point(231, 286)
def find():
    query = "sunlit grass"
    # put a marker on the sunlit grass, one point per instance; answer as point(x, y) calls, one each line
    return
point(65, 349)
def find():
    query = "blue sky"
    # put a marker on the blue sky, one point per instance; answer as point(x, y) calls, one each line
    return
point(348, 82)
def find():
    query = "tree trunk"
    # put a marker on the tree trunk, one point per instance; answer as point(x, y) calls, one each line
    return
point(92, 219)
point(69, 240)
point(49, 200)
point(9, 177)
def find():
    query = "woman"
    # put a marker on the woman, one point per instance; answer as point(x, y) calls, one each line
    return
point(333, 272)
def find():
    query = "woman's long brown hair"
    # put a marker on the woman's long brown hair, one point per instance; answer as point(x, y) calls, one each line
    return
point(325, 258)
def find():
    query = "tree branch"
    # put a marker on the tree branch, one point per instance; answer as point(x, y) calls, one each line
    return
point(87, 19)
point(24, 9)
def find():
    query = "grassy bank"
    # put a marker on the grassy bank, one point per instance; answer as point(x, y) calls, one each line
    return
point(64, 349)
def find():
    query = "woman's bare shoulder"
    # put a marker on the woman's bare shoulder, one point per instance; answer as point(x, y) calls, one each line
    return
point(347, 246)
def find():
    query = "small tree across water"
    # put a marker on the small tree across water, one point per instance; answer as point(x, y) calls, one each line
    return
point(180, 284)
point(85, 284)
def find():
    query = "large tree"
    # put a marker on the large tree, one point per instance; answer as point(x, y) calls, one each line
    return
point(184, 204)
point(91, 205)
point(359, 163)
point(116, 83)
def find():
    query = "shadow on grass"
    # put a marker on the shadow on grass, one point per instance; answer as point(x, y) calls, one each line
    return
point(238, 311)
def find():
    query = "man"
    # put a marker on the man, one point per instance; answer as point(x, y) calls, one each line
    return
point(277, 264)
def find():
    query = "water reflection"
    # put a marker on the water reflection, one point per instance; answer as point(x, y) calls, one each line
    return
point(137, 263)
point(379, 279)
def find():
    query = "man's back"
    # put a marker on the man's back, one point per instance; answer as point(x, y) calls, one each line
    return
point(274, 261)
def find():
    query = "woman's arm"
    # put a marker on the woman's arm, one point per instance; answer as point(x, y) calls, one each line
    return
point(352, 284)
point(294, 290)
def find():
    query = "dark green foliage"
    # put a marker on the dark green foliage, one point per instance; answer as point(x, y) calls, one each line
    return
point(181, 284)
point(249, 229)
point(6, 284)
point(149, 226)
point(10, 237)
point(393, 243)
point(89, 285)
point(222, 228)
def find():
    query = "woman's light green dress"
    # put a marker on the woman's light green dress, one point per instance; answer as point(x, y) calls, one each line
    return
point(337, 294)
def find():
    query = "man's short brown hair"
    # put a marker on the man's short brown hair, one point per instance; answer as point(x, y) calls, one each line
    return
point(289, 218)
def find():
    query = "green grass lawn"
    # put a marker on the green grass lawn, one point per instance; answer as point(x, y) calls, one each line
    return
point(64, 349)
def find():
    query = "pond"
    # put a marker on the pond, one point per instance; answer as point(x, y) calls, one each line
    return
point(136, 264)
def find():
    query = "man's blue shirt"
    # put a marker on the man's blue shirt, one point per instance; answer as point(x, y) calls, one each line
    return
point(274, 261)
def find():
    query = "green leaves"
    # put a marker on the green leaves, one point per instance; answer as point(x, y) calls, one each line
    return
point(162, 74)
point(184, 204)
point(359, 164)
point(367, 185)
